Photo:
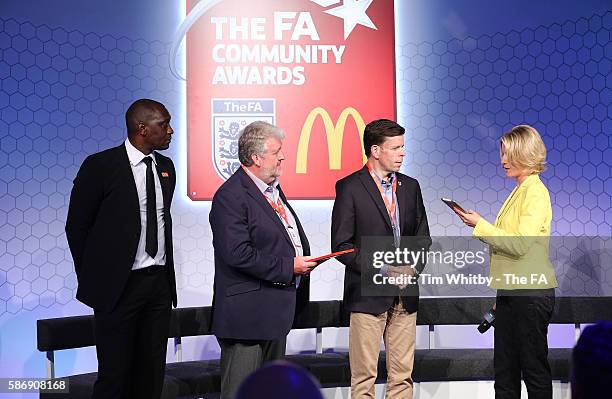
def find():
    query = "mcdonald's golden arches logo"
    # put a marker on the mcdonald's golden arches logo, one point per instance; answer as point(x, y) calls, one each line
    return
point(334, 134)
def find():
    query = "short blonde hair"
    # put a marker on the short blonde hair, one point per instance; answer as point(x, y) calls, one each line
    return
point(525, 148)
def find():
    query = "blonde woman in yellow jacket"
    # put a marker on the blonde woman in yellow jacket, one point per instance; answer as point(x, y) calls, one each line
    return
point(521, 269)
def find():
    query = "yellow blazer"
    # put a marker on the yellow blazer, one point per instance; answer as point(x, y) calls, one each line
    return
point(519, 240)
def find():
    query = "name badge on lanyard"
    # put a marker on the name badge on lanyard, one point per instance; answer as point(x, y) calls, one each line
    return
point(295, 237)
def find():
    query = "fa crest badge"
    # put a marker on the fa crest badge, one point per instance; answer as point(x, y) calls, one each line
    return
point(229, 118)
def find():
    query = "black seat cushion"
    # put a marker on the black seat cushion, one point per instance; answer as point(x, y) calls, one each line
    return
point(331, 369)
point(193, 379)
point(453, 365)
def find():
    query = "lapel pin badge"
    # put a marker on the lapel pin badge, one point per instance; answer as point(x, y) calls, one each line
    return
point(165, 174)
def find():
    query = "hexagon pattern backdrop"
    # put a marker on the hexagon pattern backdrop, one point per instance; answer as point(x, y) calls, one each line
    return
point(64, 92)
point(461, 95)
point(64, 96)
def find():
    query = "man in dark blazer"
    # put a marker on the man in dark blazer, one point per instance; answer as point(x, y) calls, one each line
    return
point(119, 230)
point(261, 259)
point(378, 201)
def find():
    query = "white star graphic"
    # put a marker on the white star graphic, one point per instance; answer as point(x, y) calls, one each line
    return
point(353, 12)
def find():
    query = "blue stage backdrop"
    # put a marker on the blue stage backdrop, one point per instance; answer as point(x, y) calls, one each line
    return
point(466, 72)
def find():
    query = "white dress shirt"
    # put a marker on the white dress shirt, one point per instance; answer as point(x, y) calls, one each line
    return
point(139, 170)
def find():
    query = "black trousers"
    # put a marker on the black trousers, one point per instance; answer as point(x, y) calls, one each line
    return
point(131, 340)
point(521, 344)
point(239, 358)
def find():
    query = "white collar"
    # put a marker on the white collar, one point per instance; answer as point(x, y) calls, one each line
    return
point(261, 185)
point(134, 154)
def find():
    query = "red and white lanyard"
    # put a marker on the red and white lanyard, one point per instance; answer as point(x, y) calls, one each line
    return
point(390, 206)
point(279, 208)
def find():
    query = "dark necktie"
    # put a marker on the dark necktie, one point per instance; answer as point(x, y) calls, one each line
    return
point(151, 241)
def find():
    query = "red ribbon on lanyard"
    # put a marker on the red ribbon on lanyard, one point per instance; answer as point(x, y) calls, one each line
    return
point(392, 205)
point(279, 208)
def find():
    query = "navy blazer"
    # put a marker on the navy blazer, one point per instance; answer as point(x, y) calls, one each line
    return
point(103, 225)
point(254, 295)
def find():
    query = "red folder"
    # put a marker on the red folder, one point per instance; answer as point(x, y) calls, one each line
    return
point(323, 258)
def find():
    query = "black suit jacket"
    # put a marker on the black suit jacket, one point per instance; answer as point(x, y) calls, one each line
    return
point(254, 291)
point(359, 211)
point(103, 225)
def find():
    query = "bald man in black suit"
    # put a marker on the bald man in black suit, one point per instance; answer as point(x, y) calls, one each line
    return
point(119, 230)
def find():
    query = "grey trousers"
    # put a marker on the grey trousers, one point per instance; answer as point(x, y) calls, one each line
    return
point(239, 358)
